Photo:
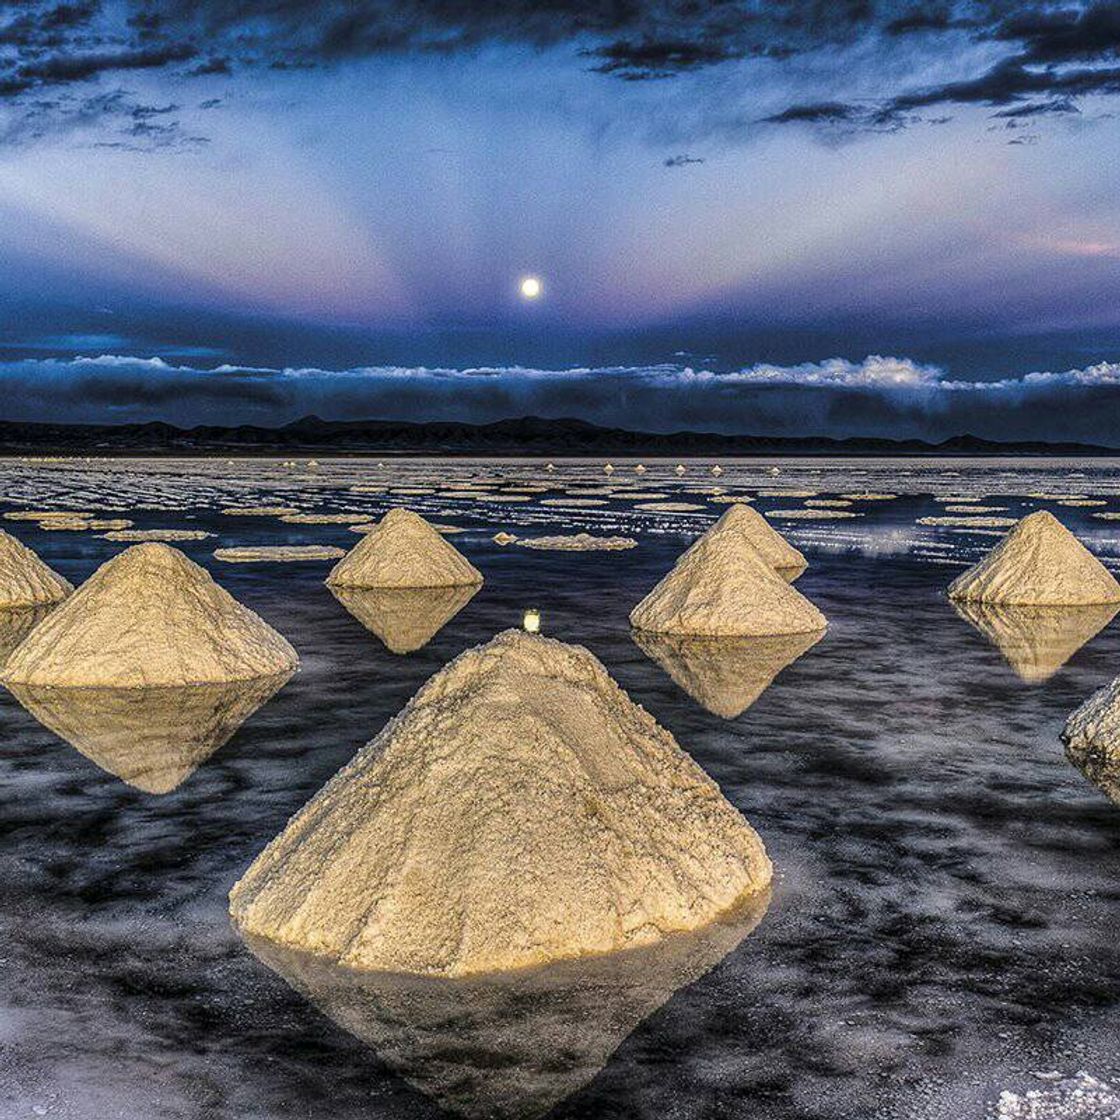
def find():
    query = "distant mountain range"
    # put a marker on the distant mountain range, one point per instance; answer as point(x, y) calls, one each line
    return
point(529, 436)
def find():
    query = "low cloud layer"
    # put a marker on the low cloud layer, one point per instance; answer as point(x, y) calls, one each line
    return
point(879, 396)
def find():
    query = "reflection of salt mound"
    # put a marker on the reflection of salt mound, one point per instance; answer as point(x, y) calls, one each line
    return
point(403, 551)
point(1038, 563)
point(724, 587)
point(151, 738)
point(510, 1044)
point(25, 581)
point(405, 618)
point(15, 624)
point(1092, 739)
point(724, 675)
point(520, 810)
point(1037, 641)
point(150, 616)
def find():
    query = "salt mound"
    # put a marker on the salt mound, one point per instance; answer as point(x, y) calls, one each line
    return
point(150, 616)
point(1092, 739)
point(150, 738)
point(578, 542)
point(750, 526)
point(511, 1044)
point(15, 624)
point(520, 810)
point(1036, 641)
point(724, 675)
point(403, 551)
point(723, 586)
point(406, 618)
point(1038, 563)
point(25, 581)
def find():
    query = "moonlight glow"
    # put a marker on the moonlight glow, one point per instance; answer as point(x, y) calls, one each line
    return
point(530, 288)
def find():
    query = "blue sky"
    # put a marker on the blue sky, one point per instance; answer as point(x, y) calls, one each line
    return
point(346, 187)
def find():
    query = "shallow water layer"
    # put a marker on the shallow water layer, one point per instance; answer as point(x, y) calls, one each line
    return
point(943, 921)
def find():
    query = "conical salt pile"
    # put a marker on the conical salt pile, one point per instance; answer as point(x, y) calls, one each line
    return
point(520, 810)
point(403, 551)
point(1038, 563)
point(25, 581)
point(1092, 739)
point(749, 525)
point(150, 616)
point(722, 587)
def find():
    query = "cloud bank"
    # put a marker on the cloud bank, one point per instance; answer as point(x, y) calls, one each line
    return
point(878, 396)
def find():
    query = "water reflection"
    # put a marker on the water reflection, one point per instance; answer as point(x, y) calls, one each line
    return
point(15, 624)
point(151, 738)
point(405, 619)
point(510, 1044)
point(1036, 641)
point(724, 675)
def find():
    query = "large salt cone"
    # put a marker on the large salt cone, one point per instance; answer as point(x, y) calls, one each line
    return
point(15, 624)
point(724, 675)
point(405, 619)
point(1036, 641)
point(150, 738)
point(150, 616)
point(25, 581)
point(1092, 739)
point(723, 588)
point(511, 1044)
point(403, 551)
point(742, 522)
point(520, 810)
point(1039, 562)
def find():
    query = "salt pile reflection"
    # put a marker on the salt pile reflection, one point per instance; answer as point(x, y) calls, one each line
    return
point(724, 675)
point(1036, 641)
point(150, 738)
point(509, 1044)
point(405, 619)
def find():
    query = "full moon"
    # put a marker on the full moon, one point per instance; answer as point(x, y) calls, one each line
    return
point(530, 288)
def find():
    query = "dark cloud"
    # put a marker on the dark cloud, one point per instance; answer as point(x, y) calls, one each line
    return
point(876, 397)
point(1053, 54)
point(682, 160)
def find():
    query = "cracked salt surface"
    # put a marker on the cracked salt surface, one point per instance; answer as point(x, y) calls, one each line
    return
point(944, 917)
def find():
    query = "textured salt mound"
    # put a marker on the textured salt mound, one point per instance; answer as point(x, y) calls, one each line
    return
point(159, 535)
point(724, 675)
point(405, 619)
point(150, 616)
point(721, 590)
point(403, 551)
point(1038, 563)
point(578, 542)
point(520, 810)
point(15, 624)
point(279, 553)
point(1092, 738)
point(150, 738)
point(744, 525)
point(1036, 641)
point(510, 1044)
point(25, 581)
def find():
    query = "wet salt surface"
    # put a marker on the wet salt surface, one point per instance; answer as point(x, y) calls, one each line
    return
point(944, 915)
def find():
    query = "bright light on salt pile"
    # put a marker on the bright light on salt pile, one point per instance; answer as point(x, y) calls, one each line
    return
point(532, 622)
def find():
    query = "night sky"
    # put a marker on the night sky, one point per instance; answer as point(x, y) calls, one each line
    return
point(789, 218)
